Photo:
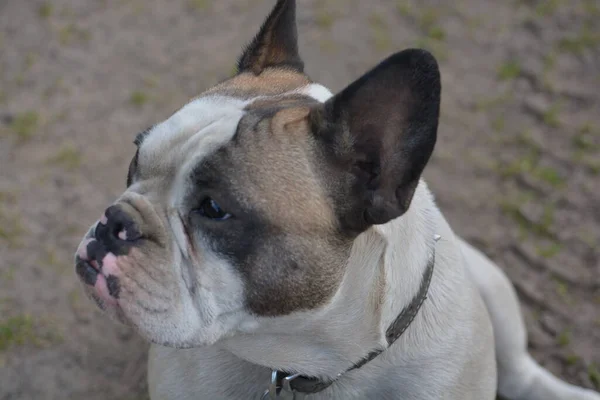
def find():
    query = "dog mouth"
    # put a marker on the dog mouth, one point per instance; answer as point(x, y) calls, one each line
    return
point(98, 273)
point(104, 288)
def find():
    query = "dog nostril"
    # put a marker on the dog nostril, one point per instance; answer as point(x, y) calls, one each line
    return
point(118, 231)
point(120, 226)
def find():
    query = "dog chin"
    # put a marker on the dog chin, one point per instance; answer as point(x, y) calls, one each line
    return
point(168, 337)
point(176, 344)
point(113, 311)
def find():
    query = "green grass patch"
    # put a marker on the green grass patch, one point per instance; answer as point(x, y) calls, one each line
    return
point(498, 123)
point(429, 18)
point(53, 88)
point(577, 44)
point(16, 331)
point(589, 239)
point(550, 116)
point(437, 48)
point(436, 33)
point(572, 359)
point(523, 165)
point(593, 166)
point(324, 19)
point(198, 5)
point(30, 60)
point(549, 175)
point(540, 226)
point(380, 32)
point(51, 258)
point(550, 250)
point(152, 81)
point(429, 24)
point(6, 303)
point(404, 8)
point(549, 64)
point(45, 10)
point(68, 157)
point(68, 33)
point(594, 375)
point(487, 103)
point(20, 78)
point(138, 98)
point(562, 290)
point(24, 125)
point(74, 298)
point(549, 61)
point(547, 8)
point(564, 339)
point(525, 140)
point(24, 330)
point(584, 138)
point(511, 208)
point(8, 274)
point(327, 45)
point(11, 229)
point(7, 197)
point(509, 70)
point(592, 8)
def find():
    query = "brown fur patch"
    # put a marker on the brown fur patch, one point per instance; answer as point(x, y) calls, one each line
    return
point(271, 82)
point(296, 257)
point(277, 158)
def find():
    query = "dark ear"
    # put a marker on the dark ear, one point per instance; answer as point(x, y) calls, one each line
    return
point(377, 136)
point(276, 44)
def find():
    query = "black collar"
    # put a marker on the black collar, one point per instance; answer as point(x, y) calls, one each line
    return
point(298, 383)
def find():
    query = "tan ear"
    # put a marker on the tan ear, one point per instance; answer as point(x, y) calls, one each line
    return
point(276, 44)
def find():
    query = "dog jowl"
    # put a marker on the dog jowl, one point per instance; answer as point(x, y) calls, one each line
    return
point(245, 203)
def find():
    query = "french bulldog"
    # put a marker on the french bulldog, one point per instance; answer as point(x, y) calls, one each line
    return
point(276, 240)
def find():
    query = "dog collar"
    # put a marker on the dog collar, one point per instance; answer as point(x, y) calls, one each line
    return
point(285, 386)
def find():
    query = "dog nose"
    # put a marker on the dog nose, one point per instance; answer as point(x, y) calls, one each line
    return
point(117, 228)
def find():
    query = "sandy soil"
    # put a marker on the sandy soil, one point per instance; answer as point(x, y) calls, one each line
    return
point(515, 169)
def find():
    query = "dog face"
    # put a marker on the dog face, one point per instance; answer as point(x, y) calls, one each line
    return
point(246, 202)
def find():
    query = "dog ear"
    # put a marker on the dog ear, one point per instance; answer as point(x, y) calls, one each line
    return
point(276, 44)
point(377, 135)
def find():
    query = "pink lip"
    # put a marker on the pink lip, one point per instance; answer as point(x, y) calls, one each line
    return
point(82, 249)
point(101, 289)
point(109, 267)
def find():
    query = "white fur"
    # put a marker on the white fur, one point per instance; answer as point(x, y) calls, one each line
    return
point(191, 133)
point(317, 92)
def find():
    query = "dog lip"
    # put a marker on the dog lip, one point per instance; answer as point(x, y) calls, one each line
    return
point(112, 284)
point(86, 271)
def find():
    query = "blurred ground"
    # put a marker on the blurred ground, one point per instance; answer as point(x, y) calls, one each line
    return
point(516, 168)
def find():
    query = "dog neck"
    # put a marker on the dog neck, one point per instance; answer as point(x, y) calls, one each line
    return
point(383, 275)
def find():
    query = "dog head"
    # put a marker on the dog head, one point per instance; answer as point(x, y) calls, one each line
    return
point(246, 202)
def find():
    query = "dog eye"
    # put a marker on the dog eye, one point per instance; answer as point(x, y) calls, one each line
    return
point(210, 209)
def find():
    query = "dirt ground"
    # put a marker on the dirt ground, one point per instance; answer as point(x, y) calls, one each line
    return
point(516, 168)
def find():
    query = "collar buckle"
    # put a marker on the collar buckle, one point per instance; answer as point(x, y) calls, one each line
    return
point(280, 387)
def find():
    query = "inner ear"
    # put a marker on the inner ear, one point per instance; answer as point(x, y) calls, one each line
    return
point(378, 134)
point(276, 44)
